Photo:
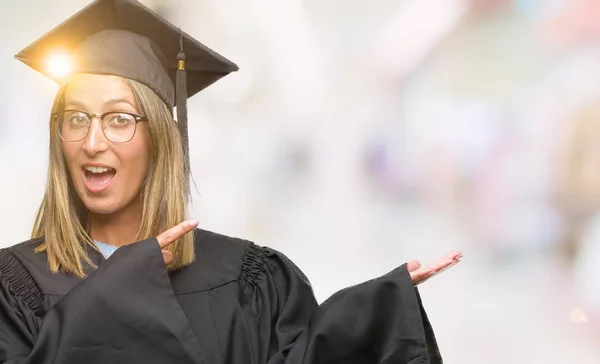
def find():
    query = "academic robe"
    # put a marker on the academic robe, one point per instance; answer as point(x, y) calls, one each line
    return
point(237, 303)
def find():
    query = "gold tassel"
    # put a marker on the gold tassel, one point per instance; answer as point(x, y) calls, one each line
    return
point(181, 104)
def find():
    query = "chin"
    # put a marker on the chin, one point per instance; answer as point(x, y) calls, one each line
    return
point(102, 207)
point(109, 202)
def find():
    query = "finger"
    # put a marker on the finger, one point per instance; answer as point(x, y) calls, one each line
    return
point(413, 265)
point(441, 264)
point(420, 273)
point(167, 256)
point(434, 269)
point(176, 232)
point(416, 282)
point(451, 256)
point(454, 255)
point(446, 261)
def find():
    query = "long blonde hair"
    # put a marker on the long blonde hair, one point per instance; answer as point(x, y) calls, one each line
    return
point(62, 219)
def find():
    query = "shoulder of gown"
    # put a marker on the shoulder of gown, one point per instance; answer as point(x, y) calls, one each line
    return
point(35, 266)
point(17, 279)
point(220, 260)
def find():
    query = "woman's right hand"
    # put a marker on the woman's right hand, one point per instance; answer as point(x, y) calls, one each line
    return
point(172, 235)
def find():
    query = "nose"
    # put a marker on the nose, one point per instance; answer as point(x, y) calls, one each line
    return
point(95, 142)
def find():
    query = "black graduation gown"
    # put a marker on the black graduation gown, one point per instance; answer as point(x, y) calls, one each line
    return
point(237, 303)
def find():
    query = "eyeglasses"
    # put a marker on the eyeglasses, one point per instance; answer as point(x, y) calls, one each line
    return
point(118, 127)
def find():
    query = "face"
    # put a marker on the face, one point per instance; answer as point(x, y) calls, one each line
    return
point(107, 176)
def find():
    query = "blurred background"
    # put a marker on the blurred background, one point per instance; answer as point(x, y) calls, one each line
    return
point(359, 135)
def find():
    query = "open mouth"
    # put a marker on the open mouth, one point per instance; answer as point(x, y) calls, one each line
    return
point(97, 179)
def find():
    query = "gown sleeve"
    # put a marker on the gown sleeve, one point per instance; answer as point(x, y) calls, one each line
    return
point(379, 321)
point(124, 312)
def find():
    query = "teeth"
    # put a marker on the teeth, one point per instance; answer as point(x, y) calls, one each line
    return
point(97, 169)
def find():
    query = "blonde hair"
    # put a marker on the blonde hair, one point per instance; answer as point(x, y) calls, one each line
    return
point(62, 219)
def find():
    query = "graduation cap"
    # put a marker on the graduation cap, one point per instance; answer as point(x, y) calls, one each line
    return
point(125, 38)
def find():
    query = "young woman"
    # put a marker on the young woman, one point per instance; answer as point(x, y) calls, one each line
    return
point(113, 275)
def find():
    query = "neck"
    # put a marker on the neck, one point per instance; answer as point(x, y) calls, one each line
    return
point(118, 228)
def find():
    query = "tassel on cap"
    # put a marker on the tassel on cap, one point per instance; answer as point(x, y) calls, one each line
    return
point(181, 105)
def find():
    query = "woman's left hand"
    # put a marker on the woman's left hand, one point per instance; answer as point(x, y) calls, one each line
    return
point(420, 274)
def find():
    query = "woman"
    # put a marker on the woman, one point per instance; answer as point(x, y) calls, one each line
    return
point(108, 279)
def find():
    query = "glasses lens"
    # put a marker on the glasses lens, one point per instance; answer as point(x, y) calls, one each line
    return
point(119, 127)
point(74, 125)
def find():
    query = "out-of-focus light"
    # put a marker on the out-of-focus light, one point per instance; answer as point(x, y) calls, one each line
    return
point(414, 31)
point(540, 9)
point(59, 65)
point(577, 316)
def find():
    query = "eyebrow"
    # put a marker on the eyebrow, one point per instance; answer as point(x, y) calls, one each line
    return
point(75, 104)
point(119, 101)
point(109, 102)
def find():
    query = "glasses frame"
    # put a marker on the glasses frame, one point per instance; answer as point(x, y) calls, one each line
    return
point(91, 116)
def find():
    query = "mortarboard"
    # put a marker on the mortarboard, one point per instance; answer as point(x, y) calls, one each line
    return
point(125, 38)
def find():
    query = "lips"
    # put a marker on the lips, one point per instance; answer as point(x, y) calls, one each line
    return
point(97, 178)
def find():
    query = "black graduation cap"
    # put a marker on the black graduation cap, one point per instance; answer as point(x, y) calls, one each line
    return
point(125, 38)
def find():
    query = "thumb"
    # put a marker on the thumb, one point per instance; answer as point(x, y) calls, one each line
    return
point(167, 256)
point(413, 265)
